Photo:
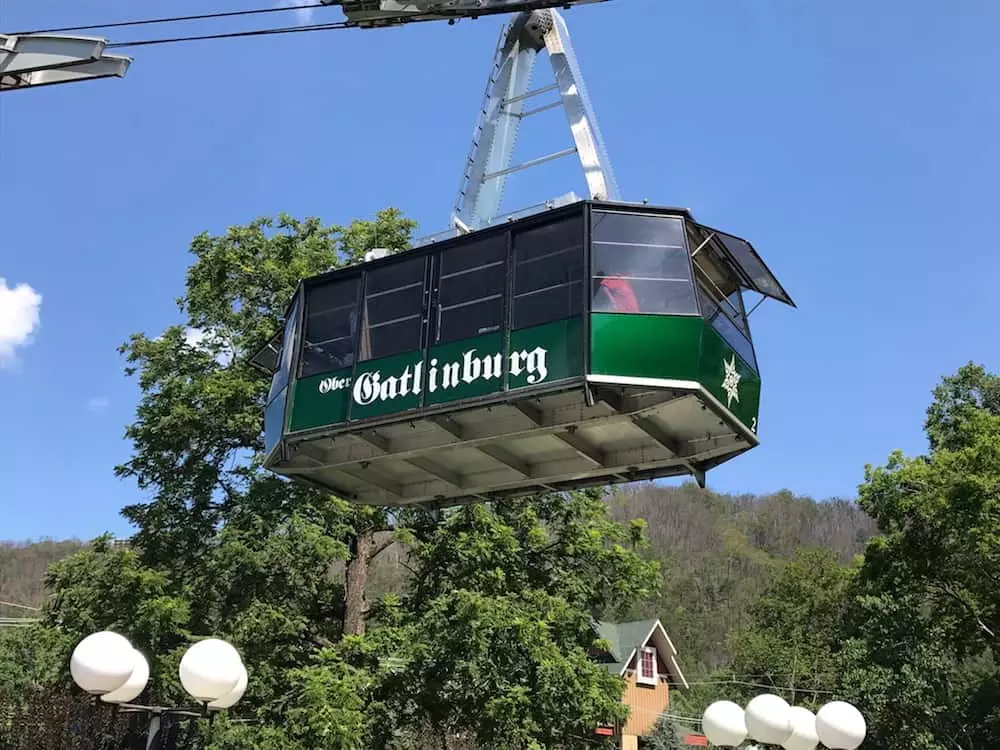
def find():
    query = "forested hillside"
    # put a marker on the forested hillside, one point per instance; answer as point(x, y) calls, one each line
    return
point(717, 553)
point(22, 570)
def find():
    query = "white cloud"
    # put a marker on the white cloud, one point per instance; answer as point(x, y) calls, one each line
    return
point(97, 403)
point(304, 14)
point(19, 317)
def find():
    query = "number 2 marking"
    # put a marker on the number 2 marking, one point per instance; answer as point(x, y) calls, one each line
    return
point(753, 425)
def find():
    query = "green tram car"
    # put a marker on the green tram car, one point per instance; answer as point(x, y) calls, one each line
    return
point(591, 344)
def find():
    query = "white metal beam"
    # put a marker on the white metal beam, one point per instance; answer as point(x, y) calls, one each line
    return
point(503, 115)
point(33, 60)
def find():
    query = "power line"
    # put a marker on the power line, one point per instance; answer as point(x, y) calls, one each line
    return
point(234, 34)
point(19, 606)
point(407, 18)
point(783, 688)
point(172, 19)
point(335, 26)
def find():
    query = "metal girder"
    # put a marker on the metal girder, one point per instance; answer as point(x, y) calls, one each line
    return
point(374, 13)
point(33, 60)
point(504, 110)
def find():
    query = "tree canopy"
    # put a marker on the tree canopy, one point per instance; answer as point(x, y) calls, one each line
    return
point(485, 641)
point(488, 641)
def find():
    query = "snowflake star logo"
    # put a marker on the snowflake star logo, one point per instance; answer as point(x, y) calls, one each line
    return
point(731, 383)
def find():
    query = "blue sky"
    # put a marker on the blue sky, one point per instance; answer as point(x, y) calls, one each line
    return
point(854, 143)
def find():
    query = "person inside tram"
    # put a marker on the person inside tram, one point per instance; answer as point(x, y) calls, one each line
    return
point(615, 294)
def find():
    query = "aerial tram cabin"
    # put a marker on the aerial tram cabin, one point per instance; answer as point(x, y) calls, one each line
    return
point(591, 344)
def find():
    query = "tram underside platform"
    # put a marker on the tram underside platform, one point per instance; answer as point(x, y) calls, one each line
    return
point(537, 442)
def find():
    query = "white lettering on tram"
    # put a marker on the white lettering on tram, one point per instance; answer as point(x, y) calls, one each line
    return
point(372, 387)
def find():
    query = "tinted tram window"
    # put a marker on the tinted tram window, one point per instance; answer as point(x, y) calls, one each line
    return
point(548, 273)
point(331, 327)
point(641, 265)
point(720, 292)
point(280, 378)
point(728, 318)
point(470, 289)
point(393, 309)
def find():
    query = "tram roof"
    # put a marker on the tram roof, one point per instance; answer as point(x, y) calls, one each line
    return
point(541, 217)
point(747, 262)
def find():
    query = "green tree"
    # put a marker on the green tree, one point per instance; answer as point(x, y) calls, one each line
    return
point(31, 658)
point(223, 547)
point(666, 735)
point(922, 651)
point(500, 622)
point(791, 641)
point(198, 426)
point(500, 598)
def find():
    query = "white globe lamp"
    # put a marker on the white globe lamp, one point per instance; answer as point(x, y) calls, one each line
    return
point(102, 662)
point(723, 724)
point(840, 726)
point(803, 736)
point(233, 697)
point(768, 719)
point(134, 685)
point(210, 669)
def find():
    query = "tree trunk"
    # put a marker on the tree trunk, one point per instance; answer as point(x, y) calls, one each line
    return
point(355, 602)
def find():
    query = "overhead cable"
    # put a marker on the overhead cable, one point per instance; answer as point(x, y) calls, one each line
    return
point(173, 19)
point(234, 34)
point(335, 26)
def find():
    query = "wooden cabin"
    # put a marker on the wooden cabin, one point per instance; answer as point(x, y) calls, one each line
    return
point(643, 655)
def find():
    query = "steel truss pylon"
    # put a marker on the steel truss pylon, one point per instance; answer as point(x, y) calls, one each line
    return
point(489, 162)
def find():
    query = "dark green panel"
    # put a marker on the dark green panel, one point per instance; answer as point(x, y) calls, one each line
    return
point(546, 353)
point(460, 370)
point(320, 400)
point(646, 346)
point(729, 378)
point(384, 386)
point(465, 369)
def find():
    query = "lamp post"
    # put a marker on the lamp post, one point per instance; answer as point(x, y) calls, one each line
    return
point(770, 720)
point(106, 666)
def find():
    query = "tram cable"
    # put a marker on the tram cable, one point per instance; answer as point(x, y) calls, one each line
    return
point(407, 18)
point(234, 34)
point(334, 26)
point(174, 19)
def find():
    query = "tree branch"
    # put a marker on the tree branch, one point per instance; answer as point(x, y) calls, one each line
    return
point(381, 547)
point(322, 641)
point(968, 606)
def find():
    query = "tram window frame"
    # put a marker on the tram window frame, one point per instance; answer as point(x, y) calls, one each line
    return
point(714, 274)
point(380, 286)
point(286, 355)
point(309, 366)
point(470, 286)
point(559, 295)
point(648, 254)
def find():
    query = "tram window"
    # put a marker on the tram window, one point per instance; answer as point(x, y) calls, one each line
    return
point(548, 273)
point(470, 289)
point(331, 327)
point(393, 309)
point(641, 265)
point(280, 378)
point(753, 266)
point(729, 320)
point(709, 261)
